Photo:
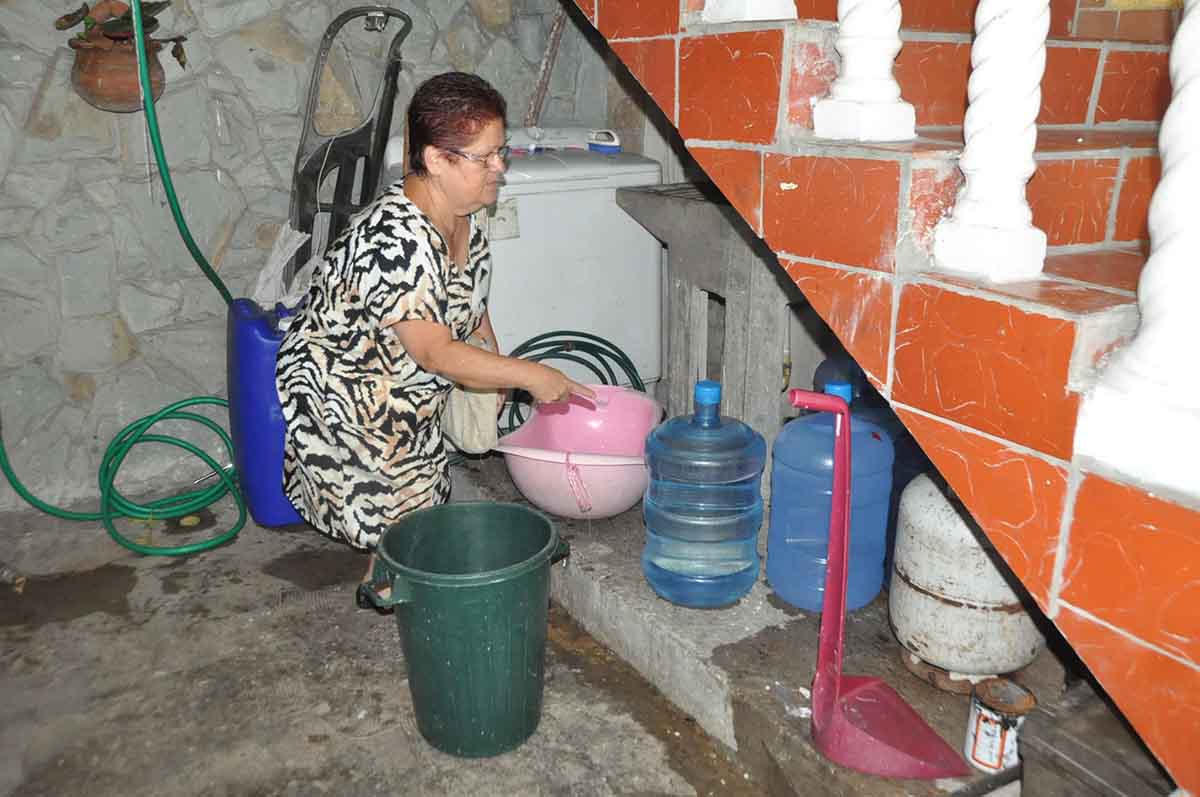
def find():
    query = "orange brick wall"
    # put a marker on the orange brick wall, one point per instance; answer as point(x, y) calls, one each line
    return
point(1117, 20)
point(977, 373)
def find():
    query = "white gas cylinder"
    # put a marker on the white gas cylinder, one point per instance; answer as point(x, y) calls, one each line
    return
point(950, 606)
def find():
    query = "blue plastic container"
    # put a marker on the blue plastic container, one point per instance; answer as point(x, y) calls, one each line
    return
point(703, 507)
point(256, 421)
point(801, 490)
point(868, 405)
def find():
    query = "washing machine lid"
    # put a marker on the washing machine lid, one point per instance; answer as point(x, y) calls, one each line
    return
point(576, 170)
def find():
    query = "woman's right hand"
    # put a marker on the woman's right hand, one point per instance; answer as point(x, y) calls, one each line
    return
point(550, 385)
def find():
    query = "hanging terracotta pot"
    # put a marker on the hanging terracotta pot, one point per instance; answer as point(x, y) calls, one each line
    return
point(105, 73)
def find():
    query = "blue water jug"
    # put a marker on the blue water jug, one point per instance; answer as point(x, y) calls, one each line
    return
point(256, 423)
point(801, 491)
point(703, 507)
point(868, 405)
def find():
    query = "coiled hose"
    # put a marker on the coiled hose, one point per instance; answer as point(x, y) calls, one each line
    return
point(113, 505)
point(581, 348)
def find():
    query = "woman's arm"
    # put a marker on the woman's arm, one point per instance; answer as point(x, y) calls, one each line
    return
point(434, 350)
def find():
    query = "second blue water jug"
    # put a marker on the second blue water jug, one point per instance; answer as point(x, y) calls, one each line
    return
point(703, 506)
point(801, 495)
point(868, 405)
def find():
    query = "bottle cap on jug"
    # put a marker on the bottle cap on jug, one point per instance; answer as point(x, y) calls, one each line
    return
point(708, 392)
point(842, 390)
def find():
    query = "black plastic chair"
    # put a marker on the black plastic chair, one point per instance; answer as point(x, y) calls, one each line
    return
point(355, 155)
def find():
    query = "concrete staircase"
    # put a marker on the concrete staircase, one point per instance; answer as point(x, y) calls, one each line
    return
point(987, 377)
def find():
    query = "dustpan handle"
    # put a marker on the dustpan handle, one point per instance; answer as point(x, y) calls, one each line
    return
point(833, 610)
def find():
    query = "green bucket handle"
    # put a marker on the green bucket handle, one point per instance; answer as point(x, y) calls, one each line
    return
point(382, 575)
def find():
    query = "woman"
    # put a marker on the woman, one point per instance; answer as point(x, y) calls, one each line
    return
point(364, 372)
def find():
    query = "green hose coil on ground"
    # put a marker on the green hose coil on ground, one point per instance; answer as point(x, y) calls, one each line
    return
point(113, 505)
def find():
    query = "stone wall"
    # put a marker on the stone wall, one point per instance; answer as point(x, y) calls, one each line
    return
point(104, 317)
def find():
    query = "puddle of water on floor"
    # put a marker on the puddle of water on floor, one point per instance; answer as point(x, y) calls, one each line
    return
point(67, 596)
point(314, 569)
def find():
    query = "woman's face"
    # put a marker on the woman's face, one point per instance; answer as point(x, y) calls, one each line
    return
point(478, 169)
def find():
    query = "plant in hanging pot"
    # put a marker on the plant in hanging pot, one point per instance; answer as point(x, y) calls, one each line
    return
point(105, 73)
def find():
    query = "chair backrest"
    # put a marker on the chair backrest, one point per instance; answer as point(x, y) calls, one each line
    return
point(356, 155)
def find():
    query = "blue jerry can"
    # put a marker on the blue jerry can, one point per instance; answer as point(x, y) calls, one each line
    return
point(256, 421)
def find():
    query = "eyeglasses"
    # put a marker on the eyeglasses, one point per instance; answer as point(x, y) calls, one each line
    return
point(499, 155)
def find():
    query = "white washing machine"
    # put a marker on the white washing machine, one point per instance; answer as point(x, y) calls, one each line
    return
point(567, 257)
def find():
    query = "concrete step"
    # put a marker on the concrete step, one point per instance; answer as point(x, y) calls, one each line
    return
point(743, 673)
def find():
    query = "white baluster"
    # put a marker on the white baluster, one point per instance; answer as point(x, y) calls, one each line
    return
point(1143, 418)
point(864, 102)
point(990, 231)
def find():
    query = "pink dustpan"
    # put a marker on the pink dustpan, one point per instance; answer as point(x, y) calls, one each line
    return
point(857, 721)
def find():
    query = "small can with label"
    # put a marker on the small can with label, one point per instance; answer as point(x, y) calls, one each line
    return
point(998, 708)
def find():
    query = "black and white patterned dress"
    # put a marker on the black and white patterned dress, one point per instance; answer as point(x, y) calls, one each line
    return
point(364, 442)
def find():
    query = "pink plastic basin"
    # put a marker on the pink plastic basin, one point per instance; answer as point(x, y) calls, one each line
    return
point(577, 459)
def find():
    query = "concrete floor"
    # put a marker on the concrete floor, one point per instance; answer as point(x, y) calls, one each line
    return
point(248, 670)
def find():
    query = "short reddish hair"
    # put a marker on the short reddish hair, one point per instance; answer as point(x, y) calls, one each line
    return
point(449, 110)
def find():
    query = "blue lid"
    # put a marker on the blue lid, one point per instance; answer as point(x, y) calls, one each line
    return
point(607, 149)
point(842, 390)
point(708, 392)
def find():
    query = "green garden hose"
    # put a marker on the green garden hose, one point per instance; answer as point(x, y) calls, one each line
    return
point(592, 352)
point(113, 505)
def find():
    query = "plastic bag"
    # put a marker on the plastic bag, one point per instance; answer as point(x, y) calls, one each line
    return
point(469, 420)
point(269, 290)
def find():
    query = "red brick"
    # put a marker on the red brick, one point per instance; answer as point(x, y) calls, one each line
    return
point(1016, 498)
point(1071, 199)
point(738, 173)
point(729, 86)
point(1157, 25)
point(856, 306)
point(987, 365)
point(933, 77)
point(1114, 268)
point(1133, 208)
point(652, 62)
point(817, 9)
point(588, 7)
point(1133, 560)
point(812, 73)
point(843, 210)
point(930, 198)
point(628, 19)
point(945, 16)
point(1160, 696)
point(1135, 86)
point(1101, 25)
point(1062, 17)
point(1050, 295)
point(1067, 84)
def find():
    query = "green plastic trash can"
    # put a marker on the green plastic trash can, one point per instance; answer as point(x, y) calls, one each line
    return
point(470, 584)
